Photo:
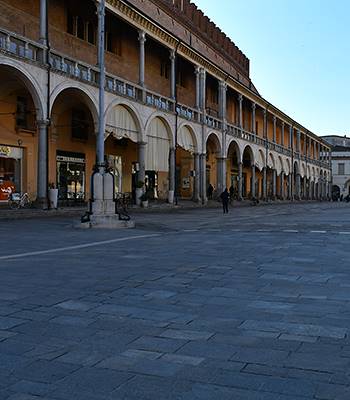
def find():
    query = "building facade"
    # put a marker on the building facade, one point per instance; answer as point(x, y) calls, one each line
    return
point(340, 156)
point(180, 113)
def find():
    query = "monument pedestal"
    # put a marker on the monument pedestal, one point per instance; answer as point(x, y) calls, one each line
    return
point(102, 208)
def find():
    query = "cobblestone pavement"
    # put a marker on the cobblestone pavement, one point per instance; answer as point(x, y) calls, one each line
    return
point(189, 305)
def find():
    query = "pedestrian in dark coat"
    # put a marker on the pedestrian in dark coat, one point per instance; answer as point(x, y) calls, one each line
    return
point(225, 197)
point(210, 191)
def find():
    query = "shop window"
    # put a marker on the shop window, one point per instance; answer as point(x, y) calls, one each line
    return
point(22, 113)
point(80, 126)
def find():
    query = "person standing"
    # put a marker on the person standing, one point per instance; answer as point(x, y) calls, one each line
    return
point(225, 197)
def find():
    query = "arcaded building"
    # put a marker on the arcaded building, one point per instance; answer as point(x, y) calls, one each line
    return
point(181, 111)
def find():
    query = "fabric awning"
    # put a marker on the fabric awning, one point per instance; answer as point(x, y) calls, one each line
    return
point(158, 146)
point(185, 139)
point(121, 124)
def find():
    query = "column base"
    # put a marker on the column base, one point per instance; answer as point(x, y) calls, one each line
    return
point(105, 222)
point(41, 203)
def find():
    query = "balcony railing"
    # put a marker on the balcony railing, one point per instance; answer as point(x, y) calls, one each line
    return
point(20, 47)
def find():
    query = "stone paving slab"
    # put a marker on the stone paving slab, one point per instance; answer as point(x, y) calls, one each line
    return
point(213, 307)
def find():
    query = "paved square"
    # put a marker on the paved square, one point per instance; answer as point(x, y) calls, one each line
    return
point(189, 305)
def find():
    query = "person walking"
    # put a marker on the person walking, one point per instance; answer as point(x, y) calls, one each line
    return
point(232, 193)
point(210, 191)
point(225, 197)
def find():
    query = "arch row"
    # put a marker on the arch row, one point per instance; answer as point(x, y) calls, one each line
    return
point(131, 130)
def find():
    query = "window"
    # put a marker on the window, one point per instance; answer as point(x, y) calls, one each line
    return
point(214, 96)
point(164, 69)
point(256, 127)
point(341, 169)
point(22, 112)
point(80, 28)
point(80, 125)
point(91, 33)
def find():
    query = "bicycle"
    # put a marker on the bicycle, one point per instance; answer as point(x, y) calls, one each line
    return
point(122, 202)
point(17, 201)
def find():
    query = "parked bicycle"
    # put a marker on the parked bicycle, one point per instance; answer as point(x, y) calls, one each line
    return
point(122, 202)
point(17, 201)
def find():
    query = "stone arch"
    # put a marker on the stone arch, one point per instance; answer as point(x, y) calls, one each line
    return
point(260, 160)
point(30, 83)
point(123, 121)
point(235, 145)
point(86, 95)
point(296, 169)
point(288, 167)
point(271, 162)
point(164, 119)
point(251, 153)
point(188, 130)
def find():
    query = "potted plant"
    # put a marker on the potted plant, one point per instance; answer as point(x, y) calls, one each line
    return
point(139, 191)
point(144, 200)
point(53, 195)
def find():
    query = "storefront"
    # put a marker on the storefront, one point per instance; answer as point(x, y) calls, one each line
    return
point(71, 177)
point(10, 171)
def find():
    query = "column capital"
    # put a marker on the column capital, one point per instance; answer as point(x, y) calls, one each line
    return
point(197, 69)
point(253, 106)
point(142, 36)
point(274, 118)
point(223, 85)
point(265, 112)
point(240, 97)
point(42, 123)
point(172, 54)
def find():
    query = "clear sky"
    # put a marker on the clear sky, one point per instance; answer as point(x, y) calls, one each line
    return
point(299, 53)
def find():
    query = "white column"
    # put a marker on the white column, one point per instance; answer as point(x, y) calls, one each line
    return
point(274, 128)
point(282, 133)
point(298, 185)
point(172, 171)
point(142, 161)
point(221, 174)
point(254, 118)
point(142, 40)
point(282, 194)
point(252, 190)
point(42, 163)
point(290, 184)
point(222, 99)
point(172, 74)
point(265, 124)
point(298, 141)
point(240, 178)
point(202, 89)
point(203, 167)
point(43, 22)
point(314, 150)
point(240, 111)
point(274, 179)
point(290, 136)
point(196, 192)
point(197, 73)
point(265, 183)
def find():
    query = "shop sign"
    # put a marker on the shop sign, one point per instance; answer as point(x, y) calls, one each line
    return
point(5, 151)
point(70, 159)
point(11, 152)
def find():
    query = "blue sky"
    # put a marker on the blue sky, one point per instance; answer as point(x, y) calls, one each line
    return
point(299, 53)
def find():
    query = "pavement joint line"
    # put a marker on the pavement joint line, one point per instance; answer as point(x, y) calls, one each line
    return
point(78, 246)
point(344, 233)
point(318, 231)
point(291, 231)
